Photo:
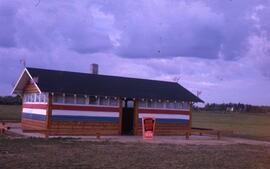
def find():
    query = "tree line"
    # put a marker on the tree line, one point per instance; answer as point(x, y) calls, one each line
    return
point(10, 100)
point(233, 107)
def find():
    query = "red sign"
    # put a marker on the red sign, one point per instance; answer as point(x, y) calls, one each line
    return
point(148, 127)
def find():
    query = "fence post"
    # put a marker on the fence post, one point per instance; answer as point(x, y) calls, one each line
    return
point(187, 135)
point(98, 135)
point(218, 135)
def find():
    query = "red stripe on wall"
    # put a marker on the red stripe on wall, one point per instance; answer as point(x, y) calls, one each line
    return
point(164, 111)
point(85, 108)
point(35, 106)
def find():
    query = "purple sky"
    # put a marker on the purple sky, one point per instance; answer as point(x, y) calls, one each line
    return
point(219, 47)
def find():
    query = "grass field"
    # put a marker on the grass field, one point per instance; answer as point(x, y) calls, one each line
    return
point(254, 125)
point(63, 153)
point(10, 112)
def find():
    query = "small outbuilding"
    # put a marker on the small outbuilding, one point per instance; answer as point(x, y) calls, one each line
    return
point(70, 103)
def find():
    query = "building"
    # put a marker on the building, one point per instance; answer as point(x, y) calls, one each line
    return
point(69, 103)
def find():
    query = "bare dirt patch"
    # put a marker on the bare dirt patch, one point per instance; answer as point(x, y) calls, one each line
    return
point(71, 153)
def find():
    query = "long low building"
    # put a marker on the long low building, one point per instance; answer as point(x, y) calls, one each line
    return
point(70, 103)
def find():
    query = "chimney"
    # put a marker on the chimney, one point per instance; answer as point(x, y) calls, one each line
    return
point(94, 68)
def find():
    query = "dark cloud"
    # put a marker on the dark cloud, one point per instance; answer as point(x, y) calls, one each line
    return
point(180, 36)
point(201, 41)
point(205, 29)
point(88, 41)
point(50, 25)
point(7, 28)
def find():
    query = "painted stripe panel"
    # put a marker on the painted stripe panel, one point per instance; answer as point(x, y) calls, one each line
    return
point(34, 111)
point(35, 106)
point(173, 121)
point(85, 108)
point(177, 121)
point(165, 116)
point(92, 116)
point(84, 113)
point(84, 118)
point(164, 111)
point(34, 116)
point(168, 121)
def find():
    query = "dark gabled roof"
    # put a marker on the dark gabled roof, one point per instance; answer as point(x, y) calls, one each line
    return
point(103, 85)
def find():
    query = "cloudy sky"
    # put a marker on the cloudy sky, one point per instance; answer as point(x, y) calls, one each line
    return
point(218, 47)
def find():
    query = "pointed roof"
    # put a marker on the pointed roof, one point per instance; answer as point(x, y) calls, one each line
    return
point(103, 85)
point(23, 80)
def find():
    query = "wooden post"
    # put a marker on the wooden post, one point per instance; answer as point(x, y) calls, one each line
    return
point(135, 117)
point(218, 135)
point(22, 107)
point(120, 115)
point(3, 128)
point(49, 112)
point(98, 135)
point(187, 135)
point(190, 115)
point(46, 135)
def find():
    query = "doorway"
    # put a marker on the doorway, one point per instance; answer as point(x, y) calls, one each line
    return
point(127, 117)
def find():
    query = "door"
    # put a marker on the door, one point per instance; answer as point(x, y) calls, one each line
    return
point(127, 117)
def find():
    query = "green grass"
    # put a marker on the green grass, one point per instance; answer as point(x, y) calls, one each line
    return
point(257, 125)
point(10, 112)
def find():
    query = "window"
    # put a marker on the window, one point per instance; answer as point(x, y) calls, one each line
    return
point(25, 98)
point(32, 97)
point(150, 103)
point(69, 98)
point(28, 97)
point(159, 104)
point(93, 100)
point(104, 101)
point(42, 97)
point(130, 103)
point(37, 98)
point(58, 98)
point(170, 105)
point(80, 99)
point(142, 103)
point(185, 105)
point(46, 97)
point(180, 105)
point(114, 101)
point(177, 105)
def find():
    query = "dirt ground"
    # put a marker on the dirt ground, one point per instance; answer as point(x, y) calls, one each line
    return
point(16, 131)
point(73, 153)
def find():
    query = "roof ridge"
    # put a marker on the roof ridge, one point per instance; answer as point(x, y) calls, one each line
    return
point(66, 71)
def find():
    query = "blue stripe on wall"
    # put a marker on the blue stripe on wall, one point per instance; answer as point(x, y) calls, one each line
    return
point(34, 116)
point(177, 121)
point(84, 118)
